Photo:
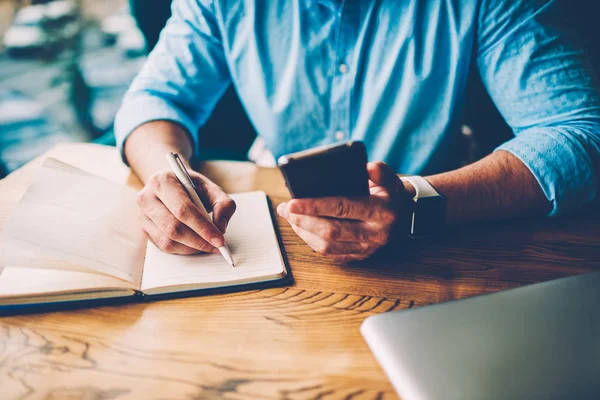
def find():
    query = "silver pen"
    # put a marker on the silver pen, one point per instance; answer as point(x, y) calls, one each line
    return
point(186, 180)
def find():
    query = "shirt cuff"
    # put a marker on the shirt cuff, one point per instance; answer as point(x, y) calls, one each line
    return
point(559, 162)
point(140, 110)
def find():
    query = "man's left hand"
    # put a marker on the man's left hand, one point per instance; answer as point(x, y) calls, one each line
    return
point(347, 229)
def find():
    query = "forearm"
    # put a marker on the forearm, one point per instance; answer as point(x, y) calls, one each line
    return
point(147, 145)
point(496, 187)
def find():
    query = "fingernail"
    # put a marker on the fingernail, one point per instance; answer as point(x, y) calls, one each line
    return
point(217, 242)
point(216, 251)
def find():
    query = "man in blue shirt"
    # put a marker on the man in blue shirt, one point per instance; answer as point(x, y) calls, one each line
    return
point(391, 73)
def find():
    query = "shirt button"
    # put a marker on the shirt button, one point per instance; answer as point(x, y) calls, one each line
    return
point(339, 135)
point(343, 68)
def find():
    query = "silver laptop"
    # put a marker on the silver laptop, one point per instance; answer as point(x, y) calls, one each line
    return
point(536, 342)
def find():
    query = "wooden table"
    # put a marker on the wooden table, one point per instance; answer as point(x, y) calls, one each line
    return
point(298, 342)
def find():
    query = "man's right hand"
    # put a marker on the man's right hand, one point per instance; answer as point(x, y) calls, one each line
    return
point(172, 221)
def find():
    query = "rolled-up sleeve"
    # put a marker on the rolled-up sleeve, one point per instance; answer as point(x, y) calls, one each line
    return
point(184, 77)
point(540, 81)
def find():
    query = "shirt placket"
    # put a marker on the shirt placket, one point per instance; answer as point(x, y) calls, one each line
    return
point(344, 71)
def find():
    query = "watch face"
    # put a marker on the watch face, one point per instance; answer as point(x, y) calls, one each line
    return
point(428, 216)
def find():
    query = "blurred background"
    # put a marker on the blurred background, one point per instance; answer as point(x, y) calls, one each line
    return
point(65, 65)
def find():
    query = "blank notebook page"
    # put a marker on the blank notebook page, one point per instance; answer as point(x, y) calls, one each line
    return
point(251, 239)
point(68, 217)
point(32, 285)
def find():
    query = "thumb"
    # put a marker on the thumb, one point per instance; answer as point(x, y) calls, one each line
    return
point(380, 174)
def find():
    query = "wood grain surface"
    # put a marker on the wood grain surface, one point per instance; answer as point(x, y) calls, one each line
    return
point(299, 342)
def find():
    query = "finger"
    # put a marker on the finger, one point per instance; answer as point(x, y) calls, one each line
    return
point(383, 181)
point(161, 241)
point(339, 230)
point(372, 209)
point(349, 257)
point(326, 248)
point(203, 186)
point(222, 205)
point(381, 174)
point(215, 200)
point(172, 194)
point(336, 207)
point(172, 228)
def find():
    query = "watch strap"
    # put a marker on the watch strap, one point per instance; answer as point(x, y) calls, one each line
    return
point(428, 209)
point(422, 187)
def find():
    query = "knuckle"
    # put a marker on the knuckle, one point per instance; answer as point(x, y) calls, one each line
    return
point(165, 179)
point(361, 235)
point(370, 213)
point(170, 177)
point(342, 209)
point(153, 181)
point(173, 230)
point(166, 244)
point(206, 232)
point(181, 210)
point(332, 232)
point(204, 247)
point(161, 178)
point(379, 232)
point(366, 247)
point(389, 216)
point(141, 199)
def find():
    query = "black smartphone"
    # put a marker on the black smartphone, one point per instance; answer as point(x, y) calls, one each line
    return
point(334, 170)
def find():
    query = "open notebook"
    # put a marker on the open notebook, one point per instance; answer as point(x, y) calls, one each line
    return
point(75, 236)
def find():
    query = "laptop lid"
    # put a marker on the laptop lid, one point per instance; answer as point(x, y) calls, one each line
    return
point(535, 342)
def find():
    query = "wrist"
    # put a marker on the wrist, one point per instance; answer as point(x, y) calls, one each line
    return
point(147, 145)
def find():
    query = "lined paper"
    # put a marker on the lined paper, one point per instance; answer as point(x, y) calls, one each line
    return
point(253, 243)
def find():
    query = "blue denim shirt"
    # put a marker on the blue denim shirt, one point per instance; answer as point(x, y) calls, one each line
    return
point(390, 72)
